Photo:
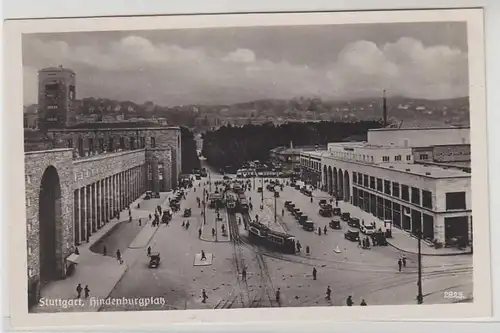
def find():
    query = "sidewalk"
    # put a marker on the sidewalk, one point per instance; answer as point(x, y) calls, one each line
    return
point(100, 273)
point(206, 229)
point(401, 240)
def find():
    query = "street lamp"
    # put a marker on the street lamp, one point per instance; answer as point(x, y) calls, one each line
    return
point(420, 297)
point(275, 196)
point(209, 181)
point(262, 187)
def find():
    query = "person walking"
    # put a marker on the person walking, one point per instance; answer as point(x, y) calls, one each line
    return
point(78, 290)
point(324, 230)
point(315, 272)
point(203, 256)
point(104, 250)
point(328, 293)
point(187, 225)
point(77, 252)
point(363, 303)
point(278, 296)
point(400, 263)
point(282, 212)
point(119, 256)
point(149, 251)
point(308, 250)
point(204, 296)
point(244, 274)
point(404, 261)
point(349, 301)
point(140, 222)
point(87, 291)
point(199, 233)
point(319, 231)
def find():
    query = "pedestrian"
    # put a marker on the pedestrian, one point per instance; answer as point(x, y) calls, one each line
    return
point(149, 251)
point(298, 246)
point(400, 263)
point(204, 296)
point(349, 301)
point(404, 261)
point(363, 303)
point(119, 256)
point(311, 199)
point(78, 290)
point(328, 293)
point(140, 222)
point(187, 225)
point(282, 212)
point(150, 216)
point(104, 250)
point(278, 296)
point(77, 252)
point(336, 203)
point(183, 224)
point(308, 250)
point(364, 243)
point(87, 291)
point(130, 219)
point(203, 256)
point(213, 232)
point(314, 273)
point(319, 231)
point(244, 274)
point(367, 242)
point(324, 230)
point(199, 233)
point(360, 243)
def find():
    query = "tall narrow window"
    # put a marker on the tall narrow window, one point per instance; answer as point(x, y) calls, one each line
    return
point(70, 143)
point(153, 142)
point(111, 146)
point(122, 143)
point(101, 145)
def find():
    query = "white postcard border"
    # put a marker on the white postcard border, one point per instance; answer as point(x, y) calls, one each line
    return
point(480, 198)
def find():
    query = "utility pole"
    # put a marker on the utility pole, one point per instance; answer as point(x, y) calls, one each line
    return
point(420, 297)
point(209, 181)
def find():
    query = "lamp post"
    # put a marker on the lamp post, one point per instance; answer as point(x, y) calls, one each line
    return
point(262, 187)
point(275, 214)
point(209, 181)
point(420, 297)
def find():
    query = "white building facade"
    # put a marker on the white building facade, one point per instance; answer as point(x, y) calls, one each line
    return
point(383, 179)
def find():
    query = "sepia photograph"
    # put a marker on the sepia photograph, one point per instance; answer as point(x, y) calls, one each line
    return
point(305, 165)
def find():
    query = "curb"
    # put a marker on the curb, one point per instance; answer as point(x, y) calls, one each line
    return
point(428, 254)
point(112, 289)
point(149, 240)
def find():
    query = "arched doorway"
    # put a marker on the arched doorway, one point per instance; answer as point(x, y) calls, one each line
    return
point(49, 225)
point(335, 182)
point(330, 180)
point(347, 192)
point(340, 187)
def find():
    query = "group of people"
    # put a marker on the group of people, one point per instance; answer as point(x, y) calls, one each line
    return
point(79, 290)
point(324, 230)
point(402, 262)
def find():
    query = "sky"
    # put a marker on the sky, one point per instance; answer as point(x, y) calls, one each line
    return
point(231, 65)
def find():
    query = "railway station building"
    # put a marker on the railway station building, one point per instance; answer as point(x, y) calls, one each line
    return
point(78, 176)
point(386, 177)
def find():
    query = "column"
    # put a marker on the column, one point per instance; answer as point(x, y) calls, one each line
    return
point(77, 219)
point(103, 207)
point(83, 214)
point(120, 191)
point(112, 197)
point(88, 213)
point(115, 193)
point(136, 183)
point(129, 186)
point(94, 207)
point(106, 200)
point(98, 202)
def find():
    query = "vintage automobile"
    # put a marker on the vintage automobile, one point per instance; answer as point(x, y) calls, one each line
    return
point(149, 195)
point(325, 211)
point(198, 177)
point(157, 195)
point(276, 194)
point(287, 203)
point(302, 219)
point(291, 207)
point(336, 212)
point(308, 226)
point(322, 202)
point(259, 189)
point(297, 187)
point(154, 260)
point(335, 224)
point(187, 212)
point(353, 222)
point(367, 229)
point(352, 235)
point(346, 216)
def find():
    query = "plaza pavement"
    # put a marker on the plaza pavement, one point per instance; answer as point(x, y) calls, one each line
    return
point(110, 271)
point(211, 222)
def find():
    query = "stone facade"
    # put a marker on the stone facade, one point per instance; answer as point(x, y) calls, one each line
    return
point(93, 189)
point(35, 166)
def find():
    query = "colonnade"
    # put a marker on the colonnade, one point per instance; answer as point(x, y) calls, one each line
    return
point(97, 203)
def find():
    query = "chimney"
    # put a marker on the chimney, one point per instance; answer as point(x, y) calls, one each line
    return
point(384, 108)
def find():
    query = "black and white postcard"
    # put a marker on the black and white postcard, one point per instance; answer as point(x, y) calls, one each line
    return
point(253, 167)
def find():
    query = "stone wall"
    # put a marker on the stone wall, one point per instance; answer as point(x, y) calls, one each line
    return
point(35, 165)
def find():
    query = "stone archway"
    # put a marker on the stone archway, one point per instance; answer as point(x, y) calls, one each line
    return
point(340, 187)
point(329, 180)
point(50, 220)
point(335, 182)
point(347, 188)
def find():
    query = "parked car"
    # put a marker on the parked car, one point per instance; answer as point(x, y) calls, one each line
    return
point(353, 222)
point(346, 216)
point(308, 226)
point(352, 235)
point(287, 203)
point(322, 202)
point(335, 224)
point(336, 212)
point(367, 229)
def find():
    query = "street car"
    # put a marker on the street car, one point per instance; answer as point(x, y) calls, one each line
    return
point(322, 202)
point(367, 229)
point(352, 235)
point(346, 216)
point(336, 212)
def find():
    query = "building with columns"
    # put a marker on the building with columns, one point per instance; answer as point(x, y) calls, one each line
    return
point(384, 178)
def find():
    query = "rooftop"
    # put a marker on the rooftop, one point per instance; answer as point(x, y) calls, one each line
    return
point(57, 69)
point(418, 128)
point(117, 125)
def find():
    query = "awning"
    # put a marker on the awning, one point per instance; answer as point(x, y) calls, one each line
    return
point(73, 258)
